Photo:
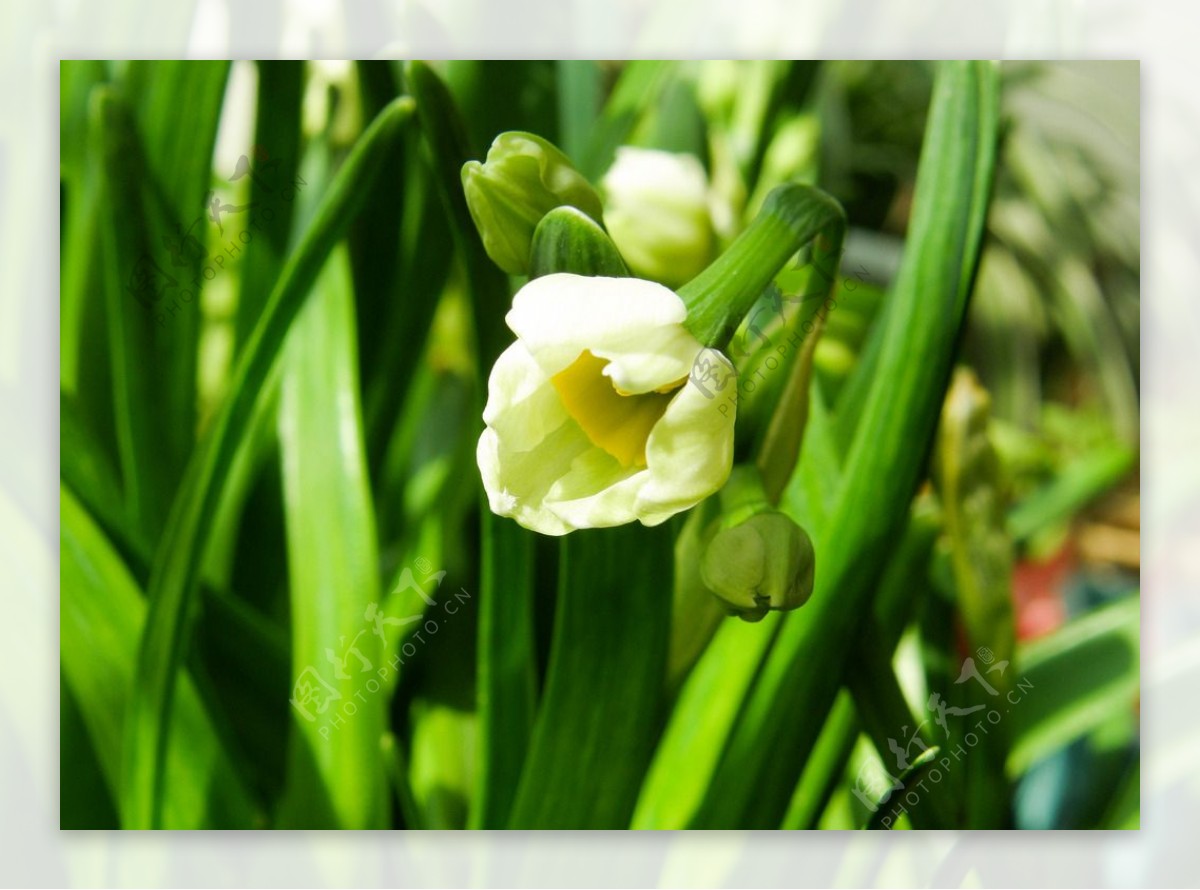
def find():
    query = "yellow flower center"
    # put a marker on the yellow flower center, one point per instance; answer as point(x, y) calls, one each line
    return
point(620, 423)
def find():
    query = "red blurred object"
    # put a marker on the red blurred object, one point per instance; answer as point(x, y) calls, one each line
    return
point(1038, 588)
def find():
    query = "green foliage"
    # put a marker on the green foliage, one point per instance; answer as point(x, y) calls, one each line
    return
point(285, 602)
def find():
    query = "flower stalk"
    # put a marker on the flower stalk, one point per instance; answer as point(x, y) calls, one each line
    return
point(719, 297)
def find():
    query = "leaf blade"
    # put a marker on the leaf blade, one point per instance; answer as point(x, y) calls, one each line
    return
point(178, 558)
point(101, 619)
point(599, 715)
point(882, 466)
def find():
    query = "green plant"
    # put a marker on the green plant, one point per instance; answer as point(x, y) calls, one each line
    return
point(286, 598)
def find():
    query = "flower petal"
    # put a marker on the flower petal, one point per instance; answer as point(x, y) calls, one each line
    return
point(620, 424)
point(689, 453)
point(517, 482)
point(606, 508)
point(662, 361)
point(522, 404)
point(636, 324)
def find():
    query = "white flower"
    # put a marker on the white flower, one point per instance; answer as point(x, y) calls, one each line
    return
point(657, 213)
point(591, 421)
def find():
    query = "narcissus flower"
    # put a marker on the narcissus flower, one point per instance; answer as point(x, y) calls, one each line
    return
point(591, 420)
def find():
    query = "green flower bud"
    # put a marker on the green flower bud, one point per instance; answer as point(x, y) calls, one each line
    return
point(567, 240)
point(757, 558)
point(764, 562)
point(657, 213)
point(523, 179)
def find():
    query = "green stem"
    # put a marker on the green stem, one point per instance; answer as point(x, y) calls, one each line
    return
point(785, 433)
point(720, 296)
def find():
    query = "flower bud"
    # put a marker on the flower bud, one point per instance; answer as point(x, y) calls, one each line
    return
point(761, 563)
point(523, 179)
point(657, 213)
point(567, 240)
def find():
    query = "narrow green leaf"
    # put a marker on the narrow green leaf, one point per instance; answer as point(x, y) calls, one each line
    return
point(82, 329)
point(637, 88)
point(884, 816)
point(397, 770)
point(1073, 680)
point(599, 716)
point(852, 397)
point(335, 756)
point(883, 464)
point(153, 177)
point(1124, 809)
point(900, 589)
point(401, 265)
point(181, 550)
point(1079, 483)
point(241, 667)
point(424, 252)
point(239, 662)
point(87, 468)
point(85, 799)
point(276, 157)
point(131, 210)
point(580, 88)
point(379, 237)
point(825, 769)
point(179, 158)
point(446, 135)
point(497, 95)
point(174, 173)
point(102, 617)
point(690, 747)
point(507, 673)
point(506, 624)
point(868, 673)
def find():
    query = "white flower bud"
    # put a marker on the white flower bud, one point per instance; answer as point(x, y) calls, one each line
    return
point(657, 213)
